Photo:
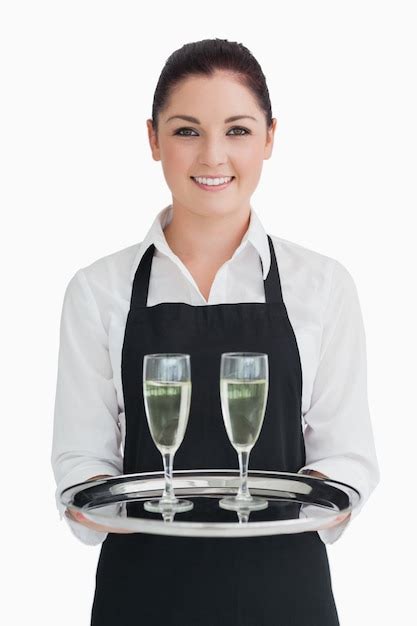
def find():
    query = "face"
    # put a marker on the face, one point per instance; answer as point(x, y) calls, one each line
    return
point(209, 145)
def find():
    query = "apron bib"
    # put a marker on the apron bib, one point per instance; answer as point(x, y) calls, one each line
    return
point(150, 580)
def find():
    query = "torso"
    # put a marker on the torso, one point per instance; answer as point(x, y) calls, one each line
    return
point(227, 566)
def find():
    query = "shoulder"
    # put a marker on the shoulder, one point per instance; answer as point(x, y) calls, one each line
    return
point(103, 284)
point(309, 271)
point(111, 271)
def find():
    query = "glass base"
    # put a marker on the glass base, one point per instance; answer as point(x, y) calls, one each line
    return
point(168, 506)
point(232, 503)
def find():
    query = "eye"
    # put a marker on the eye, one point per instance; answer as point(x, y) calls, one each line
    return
point(246, 131)
point(178, 132)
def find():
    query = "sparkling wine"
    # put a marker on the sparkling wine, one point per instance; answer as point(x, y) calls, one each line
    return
point(167, 406)
point(243, 406)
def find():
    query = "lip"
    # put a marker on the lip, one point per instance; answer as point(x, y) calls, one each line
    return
point(214, 176)
point(213, 187)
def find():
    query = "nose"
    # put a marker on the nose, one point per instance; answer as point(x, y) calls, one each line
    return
point(212, 153)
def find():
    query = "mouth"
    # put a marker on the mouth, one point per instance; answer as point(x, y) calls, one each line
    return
point(213, 187)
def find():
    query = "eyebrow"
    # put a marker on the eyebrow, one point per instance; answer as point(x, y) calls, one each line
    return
point(194, 120)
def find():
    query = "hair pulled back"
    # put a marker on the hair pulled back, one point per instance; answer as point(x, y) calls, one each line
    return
point(204, 58)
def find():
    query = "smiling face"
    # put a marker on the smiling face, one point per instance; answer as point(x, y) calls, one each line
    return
point(209, 144)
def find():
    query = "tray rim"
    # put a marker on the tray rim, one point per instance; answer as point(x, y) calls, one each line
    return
point(213, 529)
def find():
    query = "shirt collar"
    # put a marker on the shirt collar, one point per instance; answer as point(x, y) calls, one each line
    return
point(255, 235)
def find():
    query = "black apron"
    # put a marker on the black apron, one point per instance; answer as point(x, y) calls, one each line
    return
point(150, 580)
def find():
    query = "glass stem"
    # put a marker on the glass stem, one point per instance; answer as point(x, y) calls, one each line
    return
point(168, 493)
point(243, 491)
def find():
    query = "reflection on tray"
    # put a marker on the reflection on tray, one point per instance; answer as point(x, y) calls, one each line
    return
point(206, 509)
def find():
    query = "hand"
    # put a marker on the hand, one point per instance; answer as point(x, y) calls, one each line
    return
point(311, 472)
point(342, 517)
point(76, 516)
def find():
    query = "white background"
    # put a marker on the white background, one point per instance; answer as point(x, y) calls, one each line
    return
point(78, 182)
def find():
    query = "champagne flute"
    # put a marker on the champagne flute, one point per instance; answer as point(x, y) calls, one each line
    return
point(167, 396)
point(243, 393)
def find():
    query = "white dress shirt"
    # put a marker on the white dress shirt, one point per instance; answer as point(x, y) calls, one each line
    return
point(322, 305)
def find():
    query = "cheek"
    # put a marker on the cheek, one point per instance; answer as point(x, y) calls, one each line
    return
point(177, 159)
point(248, 158)
point(249, 169)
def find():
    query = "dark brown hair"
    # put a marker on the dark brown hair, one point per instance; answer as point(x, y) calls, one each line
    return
point(205, 57)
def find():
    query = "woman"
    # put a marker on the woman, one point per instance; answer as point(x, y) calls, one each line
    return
point(212, 128)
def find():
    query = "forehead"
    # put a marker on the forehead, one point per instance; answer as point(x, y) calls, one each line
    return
point(220, 95)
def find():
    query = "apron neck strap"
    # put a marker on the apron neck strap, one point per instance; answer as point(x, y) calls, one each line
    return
point(272, 283)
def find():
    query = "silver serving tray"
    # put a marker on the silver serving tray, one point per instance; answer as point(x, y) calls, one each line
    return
point(297, 503)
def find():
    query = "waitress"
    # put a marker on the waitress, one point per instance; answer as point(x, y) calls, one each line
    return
point(212, 128)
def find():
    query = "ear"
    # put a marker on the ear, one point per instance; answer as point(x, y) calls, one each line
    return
point(153, 141)
point(270, 138)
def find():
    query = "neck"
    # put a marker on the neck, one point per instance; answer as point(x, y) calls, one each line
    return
point(206, 238)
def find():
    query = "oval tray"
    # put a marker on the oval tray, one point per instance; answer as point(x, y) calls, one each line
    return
point(297, 503)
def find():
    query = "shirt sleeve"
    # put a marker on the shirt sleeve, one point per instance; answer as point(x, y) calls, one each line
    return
point(86, 431)
point(338, 434)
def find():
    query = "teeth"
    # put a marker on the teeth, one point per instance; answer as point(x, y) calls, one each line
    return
point(212, 181)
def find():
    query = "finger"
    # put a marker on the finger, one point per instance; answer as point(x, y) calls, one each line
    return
point(77, 516)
